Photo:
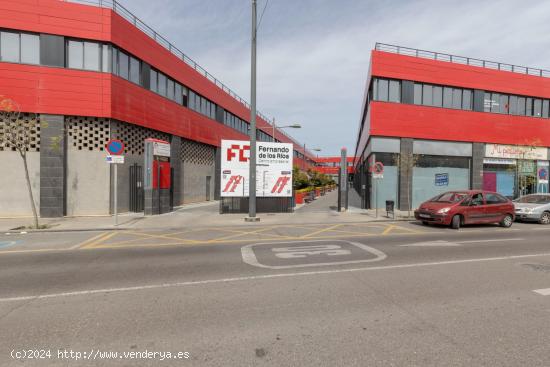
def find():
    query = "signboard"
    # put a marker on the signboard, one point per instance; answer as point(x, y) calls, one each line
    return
point(509, 162)
point(115, 147)
point(516, 152)
point(115, 159)
point(542, 172)
point(378, 170)
point(441, 179)
point(161, 149)
point(273, 169)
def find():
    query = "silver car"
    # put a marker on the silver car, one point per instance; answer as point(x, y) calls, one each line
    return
point(535, 207)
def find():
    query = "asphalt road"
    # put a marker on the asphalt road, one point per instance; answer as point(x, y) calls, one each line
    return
point(394, 294)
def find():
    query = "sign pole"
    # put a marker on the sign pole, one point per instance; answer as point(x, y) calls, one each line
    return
point(116, 195)
point(376, 195)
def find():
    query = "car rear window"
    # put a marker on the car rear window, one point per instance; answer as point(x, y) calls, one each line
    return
point(534, 199)
point(449, 197)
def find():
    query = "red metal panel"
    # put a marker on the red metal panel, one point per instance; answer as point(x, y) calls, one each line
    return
point(446, 73)
point(411, 121)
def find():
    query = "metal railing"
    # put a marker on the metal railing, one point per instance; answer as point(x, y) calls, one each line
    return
point(126, 14)
point(461, 60)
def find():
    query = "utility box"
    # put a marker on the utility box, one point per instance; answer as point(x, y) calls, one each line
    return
point(157, 180)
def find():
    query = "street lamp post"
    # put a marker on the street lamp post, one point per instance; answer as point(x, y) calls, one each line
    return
point(293, 126)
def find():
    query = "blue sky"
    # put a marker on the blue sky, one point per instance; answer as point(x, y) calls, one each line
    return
point(313, 56)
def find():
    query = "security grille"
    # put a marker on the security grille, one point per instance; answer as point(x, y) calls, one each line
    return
point(87, 133)
point(197, 153)
point(31, 125)
point(133, 137)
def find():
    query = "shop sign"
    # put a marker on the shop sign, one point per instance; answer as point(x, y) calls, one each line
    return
point(441, 179)
point(515, 152)
point(507, 162)
point(161, 149)
point(542, 172)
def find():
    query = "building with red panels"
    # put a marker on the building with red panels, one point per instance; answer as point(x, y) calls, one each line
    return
point(441, 122)
point(331, 166)
point(83, 74)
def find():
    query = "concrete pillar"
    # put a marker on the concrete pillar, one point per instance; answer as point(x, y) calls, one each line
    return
point(52, 166)
point(405, 173)
point(478, 153)
point(175, 163)
point(217, 173)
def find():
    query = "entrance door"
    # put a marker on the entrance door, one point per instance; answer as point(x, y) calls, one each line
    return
point(208, 181)
point(136, 188)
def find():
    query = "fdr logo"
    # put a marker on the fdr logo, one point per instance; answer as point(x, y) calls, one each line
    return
point(238, 152)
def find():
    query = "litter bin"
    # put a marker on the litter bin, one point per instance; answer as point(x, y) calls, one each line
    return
point(390, 206)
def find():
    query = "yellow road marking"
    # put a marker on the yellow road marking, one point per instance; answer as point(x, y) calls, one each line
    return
point(321, 231)
point(158, 236)
point(89, 240)
point(99, 240)
point(243, 233)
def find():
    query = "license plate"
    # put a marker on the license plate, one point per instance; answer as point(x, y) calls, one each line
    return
point(424, 216)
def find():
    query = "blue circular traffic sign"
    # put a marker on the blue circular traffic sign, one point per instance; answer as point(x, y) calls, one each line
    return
point(115, 147)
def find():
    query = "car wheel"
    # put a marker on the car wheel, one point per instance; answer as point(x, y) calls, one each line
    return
point(545, 218)
point(507, 221)
point(455, 222)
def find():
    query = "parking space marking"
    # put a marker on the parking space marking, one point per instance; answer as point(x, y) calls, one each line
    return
point(98, 240)
point(6, 244)
point(87, 241)
point(249, 257)
point(322, 230)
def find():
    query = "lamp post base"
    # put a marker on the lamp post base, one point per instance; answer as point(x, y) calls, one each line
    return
point(251, 219)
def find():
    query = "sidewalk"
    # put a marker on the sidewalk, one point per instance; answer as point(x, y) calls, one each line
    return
point(322, 210)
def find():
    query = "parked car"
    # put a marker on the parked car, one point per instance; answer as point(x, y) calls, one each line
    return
point(534, 207)
point(457, 208)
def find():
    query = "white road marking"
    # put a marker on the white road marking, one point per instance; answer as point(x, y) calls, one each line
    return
point(303, 251)
point(543, 292)
point(250, 258)
point(442, 243)
point(268, 276)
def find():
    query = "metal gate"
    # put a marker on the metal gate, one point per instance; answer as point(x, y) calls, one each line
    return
point(136, 188)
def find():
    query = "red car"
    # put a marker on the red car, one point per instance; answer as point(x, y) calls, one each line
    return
point(456, 208)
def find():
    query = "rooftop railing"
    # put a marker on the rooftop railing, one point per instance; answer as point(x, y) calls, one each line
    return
point(461, 60)
point(126, 14)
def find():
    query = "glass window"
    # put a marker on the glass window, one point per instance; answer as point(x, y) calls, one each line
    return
point(528, 106)
point(30, 48)
point(503, 102)
point(76, 55)
point(427, 96)
point(114, 65)
point(487, 102)
point(492, 199)
point(395, 91)
point(91, 56)
point(170, 89)
point(495, 105)
point(179, 93)
point(457, 98)
point(191, 102)
point(417, 93)
point(383, 87)
point(106, 59)
point(513, 105)
point(545, 108)
point(123, 71)
point(437, 96)
point(521, 106)
point(375, 89)
point(466, 99)
point(537, 107)
point(448, 97)
point(162, 84)
point(153, 85)
point(134, 70)
point(9, 47)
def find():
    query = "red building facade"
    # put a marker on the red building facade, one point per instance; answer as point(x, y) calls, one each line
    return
point(83, 74)
point(440, 122)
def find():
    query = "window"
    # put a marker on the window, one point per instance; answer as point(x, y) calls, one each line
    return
point(521, 106)
point(528, 106)
point(466, 99)
point(457, 98)
point(503, 104)
point(191, 102)
point(114, 65)
point(492, 199)
point(162, 84)
point(106, 59)
point(135, 70)
point(383, 87)
point(417, 93)
point(537, 107)
point(9, 47)
point(91, 56)
point(153, 84)
point(179, 93)
point(447, 97)
point(545, 108)
point(395, 91)
point(494, 101)
point(427, 96)
point(30, 48)
point(184, 96)
point(437, 96)
point(170, 89)
point(123, 71)
point(513, 103)
point(76, 55)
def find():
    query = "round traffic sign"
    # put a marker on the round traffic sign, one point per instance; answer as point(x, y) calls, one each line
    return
point(115, 147)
